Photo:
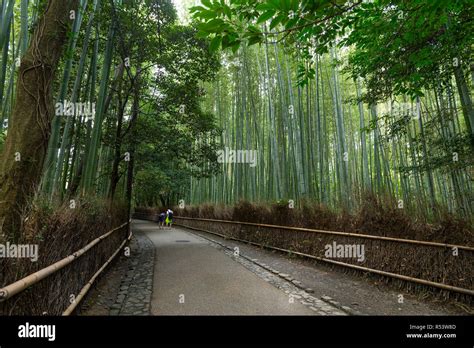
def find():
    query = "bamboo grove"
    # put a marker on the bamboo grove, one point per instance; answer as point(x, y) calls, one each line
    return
point(86, 104)
point(322, 141)
point(119, 100)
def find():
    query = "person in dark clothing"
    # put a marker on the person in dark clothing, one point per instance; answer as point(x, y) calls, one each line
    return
point(161, 220)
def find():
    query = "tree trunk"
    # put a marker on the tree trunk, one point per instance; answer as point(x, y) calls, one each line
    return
point(466, 102)
point(133, 120)
point(30, 127)
point(114, 176)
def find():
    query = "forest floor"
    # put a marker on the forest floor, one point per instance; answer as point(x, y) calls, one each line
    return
point(197, 273)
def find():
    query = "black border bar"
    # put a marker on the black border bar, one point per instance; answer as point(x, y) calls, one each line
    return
point(222, 330)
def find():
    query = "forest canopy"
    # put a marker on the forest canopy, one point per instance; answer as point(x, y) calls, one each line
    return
point(337, 100)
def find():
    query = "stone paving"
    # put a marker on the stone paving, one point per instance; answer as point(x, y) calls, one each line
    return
point(127, 287)
point(134, 295)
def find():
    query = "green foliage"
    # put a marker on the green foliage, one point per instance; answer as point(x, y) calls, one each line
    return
point(400, 47)
point(175, 137)
point(161, 107)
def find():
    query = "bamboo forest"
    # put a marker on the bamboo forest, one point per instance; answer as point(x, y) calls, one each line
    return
point(331, 137)
point(276, 123)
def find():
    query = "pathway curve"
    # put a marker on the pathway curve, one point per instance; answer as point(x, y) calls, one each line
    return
point(194, 276)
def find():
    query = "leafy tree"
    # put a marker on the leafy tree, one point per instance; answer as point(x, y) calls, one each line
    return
point(177, 139)
point(400, 47)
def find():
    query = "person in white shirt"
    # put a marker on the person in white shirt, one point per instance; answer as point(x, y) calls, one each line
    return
point(169, 218)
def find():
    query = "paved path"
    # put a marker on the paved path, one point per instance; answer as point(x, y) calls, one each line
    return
point(193, 277)
point(179, 272)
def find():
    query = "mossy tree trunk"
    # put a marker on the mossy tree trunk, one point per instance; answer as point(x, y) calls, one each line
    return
point(30, 123)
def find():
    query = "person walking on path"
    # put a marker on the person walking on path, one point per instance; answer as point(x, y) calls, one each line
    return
point(161, 220)
point(169, 218)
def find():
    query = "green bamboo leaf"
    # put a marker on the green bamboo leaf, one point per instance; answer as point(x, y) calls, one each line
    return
point(225, 41)
point(197, 9)
point(207, 3)
point(263, 7)
point(215, 43)
point(235, 46)
point(205, 14)
point(212, 26)
point(275, 21)
point(227, 11)
point(291, 22)
point(275, 4)
point(254, 40)
point(265, 16)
